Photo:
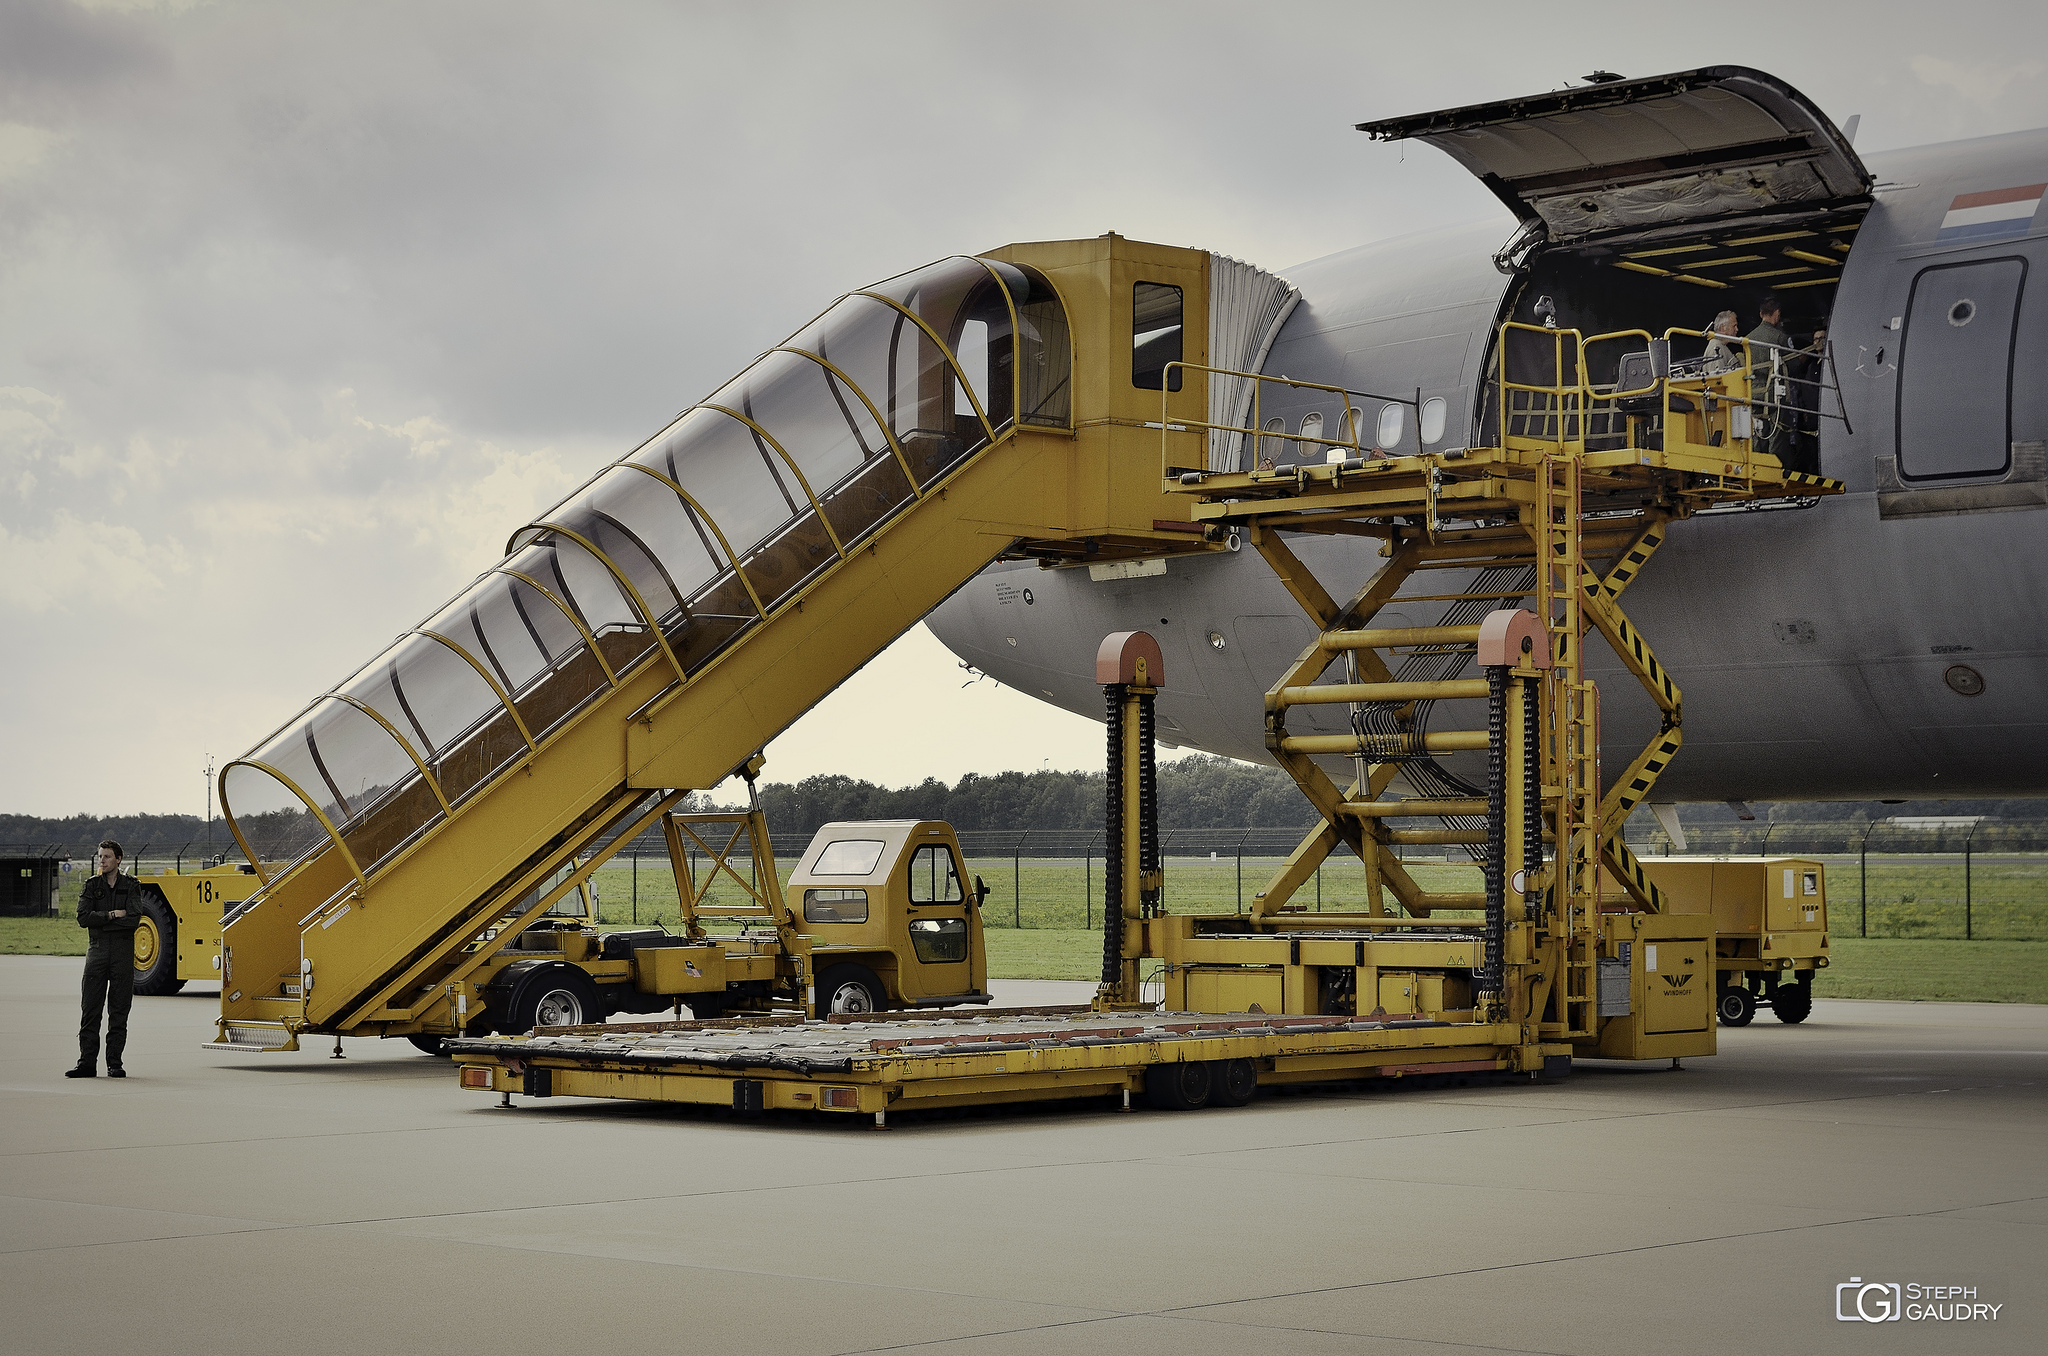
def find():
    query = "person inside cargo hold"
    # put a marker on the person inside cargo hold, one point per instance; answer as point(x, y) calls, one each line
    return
point(1722, 354)
point(1784, 389)
point(109, 907)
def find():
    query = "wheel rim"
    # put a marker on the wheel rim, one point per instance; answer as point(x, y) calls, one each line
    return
point(851, 998)
point(146, 942)
point(558, 1007)
point(1731, 1009)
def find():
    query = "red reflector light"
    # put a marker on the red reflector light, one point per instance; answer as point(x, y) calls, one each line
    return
point(847, 1099)
point(476, 1078)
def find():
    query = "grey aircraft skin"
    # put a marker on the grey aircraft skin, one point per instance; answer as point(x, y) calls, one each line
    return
point(1816, 646)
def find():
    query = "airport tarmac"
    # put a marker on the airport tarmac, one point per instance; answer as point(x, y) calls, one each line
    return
point(244, 1202)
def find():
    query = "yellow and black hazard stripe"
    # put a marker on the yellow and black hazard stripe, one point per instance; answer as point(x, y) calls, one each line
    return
point(1629, 871)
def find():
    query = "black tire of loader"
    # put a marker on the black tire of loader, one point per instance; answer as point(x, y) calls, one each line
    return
point(162, 975)
point(1735, 1006)
point(1236, 1082)
point(1183, 1086)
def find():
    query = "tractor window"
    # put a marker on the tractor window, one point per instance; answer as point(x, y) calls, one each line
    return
point(932, 877)
point(939, 941)
point(835, 906)
point(848, 857)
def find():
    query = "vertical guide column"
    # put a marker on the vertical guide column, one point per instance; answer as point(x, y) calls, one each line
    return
point(1514, 652)
point(1130, 668)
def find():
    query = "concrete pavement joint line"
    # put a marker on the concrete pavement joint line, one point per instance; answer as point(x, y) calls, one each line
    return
point(1594, 1120)
point(772, 1275)
point(1213, 1323)
point(1187, 1312)
point(1596, 1256)
point(160, 1238)
point(541, 1117)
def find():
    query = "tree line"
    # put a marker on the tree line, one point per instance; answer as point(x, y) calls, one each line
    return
point(1195, 792)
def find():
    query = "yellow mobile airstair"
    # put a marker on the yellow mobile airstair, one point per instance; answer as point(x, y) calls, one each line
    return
point(653, 632)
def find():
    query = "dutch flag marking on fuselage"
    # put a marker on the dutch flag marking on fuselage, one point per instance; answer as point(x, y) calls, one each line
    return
point(1993, 215)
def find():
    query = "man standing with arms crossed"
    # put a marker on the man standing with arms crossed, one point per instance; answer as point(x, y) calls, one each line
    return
point(109, 907)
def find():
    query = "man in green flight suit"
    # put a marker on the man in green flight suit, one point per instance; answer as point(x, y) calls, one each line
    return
point(1772, 411)
point(109, 908)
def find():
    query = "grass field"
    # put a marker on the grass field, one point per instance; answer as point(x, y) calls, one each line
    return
point(1044, 916)
point(1899, 969)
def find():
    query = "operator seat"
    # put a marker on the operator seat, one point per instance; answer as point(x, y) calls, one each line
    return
point(1636, 387)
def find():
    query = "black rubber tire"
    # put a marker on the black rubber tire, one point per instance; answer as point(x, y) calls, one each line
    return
point(1792, 1003)
point(851, 989)
point(553, 995)
point(427, 1045)
point(1235, 1082)
point(1735, 1007)
point(161, 974)
point(1185, 1086)
point(704, 1007)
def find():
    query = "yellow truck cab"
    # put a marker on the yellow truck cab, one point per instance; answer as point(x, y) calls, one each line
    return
point(892, 917)
point(178, 938)
point(1770, 917)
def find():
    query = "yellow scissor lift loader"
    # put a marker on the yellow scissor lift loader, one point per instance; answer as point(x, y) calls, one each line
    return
point(1565, 511)
point(1519, 977)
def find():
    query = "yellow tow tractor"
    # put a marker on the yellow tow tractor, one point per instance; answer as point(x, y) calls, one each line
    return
point(883, 920)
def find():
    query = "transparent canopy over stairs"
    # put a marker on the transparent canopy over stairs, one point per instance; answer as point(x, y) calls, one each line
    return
point(657, 628)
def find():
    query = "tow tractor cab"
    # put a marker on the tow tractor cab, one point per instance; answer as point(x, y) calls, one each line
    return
point(892, 920)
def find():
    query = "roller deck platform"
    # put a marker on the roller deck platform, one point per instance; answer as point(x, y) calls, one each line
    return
point(917, 1061)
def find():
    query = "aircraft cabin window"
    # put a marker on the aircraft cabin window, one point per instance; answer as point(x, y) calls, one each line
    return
point(1155, 335)
point(1271, 448)
point(1956, 368)
point(1354, 427)
point(1435, 411)
point(1311, 427)
point(1393, 419)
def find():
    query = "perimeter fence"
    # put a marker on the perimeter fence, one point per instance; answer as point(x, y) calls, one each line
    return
point(1886, 878)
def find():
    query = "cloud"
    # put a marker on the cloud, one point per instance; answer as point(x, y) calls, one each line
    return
point(304, 308)
point(76, 565)
point(1982, 82)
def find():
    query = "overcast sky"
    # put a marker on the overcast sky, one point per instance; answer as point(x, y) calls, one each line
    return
point(304, 307)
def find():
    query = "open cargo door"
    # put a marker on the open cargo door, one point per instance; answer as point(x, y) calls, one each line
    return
point(1716, 144)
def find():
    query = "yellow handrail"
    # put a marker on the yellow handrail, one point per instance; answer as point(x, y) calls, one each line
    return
point(1167, 426)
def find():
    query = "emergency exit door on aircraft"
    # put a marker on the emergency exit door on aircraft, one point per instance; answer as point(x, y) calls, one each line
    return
point(1956, 358)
